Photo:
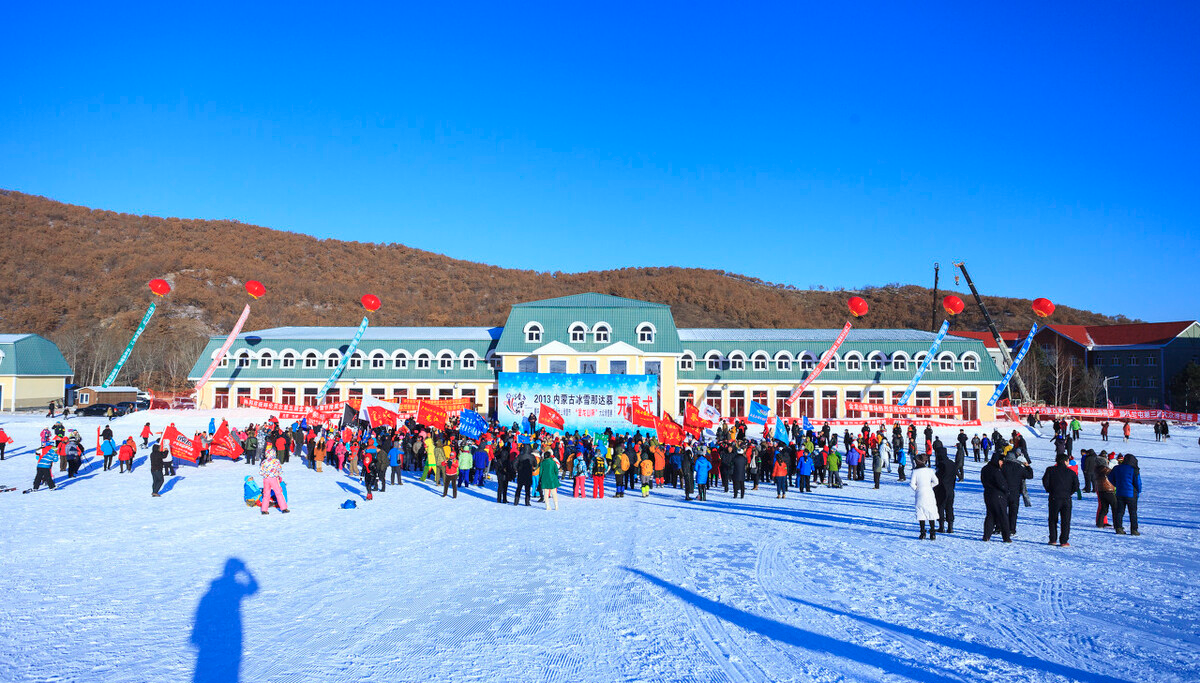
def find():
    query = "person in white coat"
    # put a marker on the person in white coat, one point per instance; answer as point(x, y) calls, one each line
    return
point(922, 482)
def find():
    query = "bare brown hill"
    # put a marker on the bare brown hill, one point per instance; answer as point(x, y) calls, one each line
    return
point(79, 275)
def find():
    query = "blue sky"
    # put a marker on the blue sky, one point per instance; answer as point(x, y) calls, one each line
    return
point(1053, 146)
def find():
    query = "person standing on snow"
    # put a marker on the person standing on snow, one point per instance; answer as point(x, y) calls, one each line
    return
point(1061, 483)
point(450, 464)
point(578, 472)
point(548, 481)
point(687, 470)
point(1127, 478)
point(125, 456)
point(272, 475)
point(108, 448)
point(780, 472)
point(703, 467)
point(923, 483)
point(738, 470)
point(1015, 474)
point(46, 460)
point(995, 498)
point(599, 470)
point(943, 492)
point(158, 463)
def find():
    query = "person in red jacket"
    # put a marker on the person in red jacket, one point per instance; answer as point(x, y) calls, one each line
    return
point(4, 441)
point(451, 478)
point(146, 434)
point(780, 472)
point(125, 456)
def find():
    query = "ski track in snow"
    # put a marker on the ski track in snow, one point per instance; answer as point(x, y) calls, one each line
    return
point(104, 583)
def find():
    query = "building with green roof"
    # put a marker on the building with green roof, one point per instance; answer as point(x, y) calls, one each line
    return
point(33, 372)
point(603, 334)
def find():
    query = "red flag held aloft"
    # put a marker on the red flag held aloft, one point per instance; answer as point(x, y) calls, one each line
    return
point(549, 417)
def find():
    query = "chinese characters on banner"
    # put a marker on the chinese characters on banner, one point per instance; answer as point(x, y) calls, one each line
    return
point(589, 403)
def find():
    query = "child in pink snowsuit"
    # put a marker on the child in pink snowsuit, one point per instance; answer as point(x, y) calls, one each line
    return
point(271, 472)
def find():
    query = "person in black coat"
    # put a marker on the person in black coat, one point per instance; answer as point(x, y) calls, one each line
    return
point(1015, 474)
point(944, 492)
point(525, 464)
point(995, 498)
point(738, 470)
point(688, 464)
point(1061, 483)
point(157, 465)
point(504, 472)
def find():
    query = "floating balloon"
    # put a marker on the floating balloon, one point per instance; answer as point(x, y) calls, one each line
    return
point(858, 306)
point(1043, 307)
point(371, 302)
point(160, 287)
point(953, 305)
point(255, 288)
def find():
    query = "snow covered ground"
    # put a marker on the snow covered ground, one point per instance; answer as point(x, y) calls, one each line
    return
point(104, 583)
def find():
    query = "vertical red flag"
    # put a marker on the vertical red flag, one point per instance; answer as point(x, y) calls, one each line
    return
point(431, 415)
point(669, 432)
point(180, 445)
point(692, 422)
point(549, 417)
point(641, 417)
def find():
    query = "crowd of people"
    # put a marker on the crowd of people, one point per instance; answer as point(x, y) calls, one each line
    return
point(531, 462)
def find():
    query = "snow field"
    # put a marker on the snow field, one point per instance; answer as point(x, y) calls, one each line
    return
point(103, 582)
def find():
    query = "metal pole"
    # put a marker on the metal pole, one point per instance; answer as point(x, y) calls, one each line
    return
point(1016, 380)
point(933, 311)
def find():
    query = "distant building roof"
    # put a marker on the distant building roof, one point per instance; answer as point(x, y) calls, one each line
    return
point(589, 300)
point(31, 355)
point(719, 334)
point(102, 390)
point(342, 334)
point(1135, 334)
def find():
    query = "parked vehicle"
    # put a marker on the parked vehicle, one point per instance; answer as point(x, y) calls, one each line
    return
point(126, 407)
point(183, 403)
point(95, 410)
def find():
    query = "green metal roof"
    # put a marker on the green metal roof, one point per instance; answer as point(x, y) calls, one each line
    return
point(623, 317)
point(31, 354)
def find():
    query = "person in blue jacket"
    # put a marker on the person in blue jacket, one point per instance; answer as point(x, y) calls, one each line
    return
point(702, 468)
point(395, 458)
point(804, 470)
point(1128, 480)
point(902, 460)
point(108, 448)
point(46, 460)
point(481, 464)
point(212, 426)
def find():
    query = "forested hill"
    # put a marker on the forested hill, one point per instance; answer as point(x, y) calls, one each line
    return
point(79, 275)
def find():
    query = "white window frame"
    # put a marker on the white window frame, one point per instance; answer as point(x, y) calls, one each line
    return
point(424, 360)
point(687, 362)
point(378, 360)
point(243, 359)
point(356, 361)
point(266, 360)
point(577, 332)
point(646, 332)
point(602, 333)
point(758, 358)
point(876, 361)
point(445, 360)
point(808, 361)
point(533, 332)
point(332, 358)
point(311, 360)
point(400, 360)
point(970, 362)
point(945, 362)
point(713, 358)
point(287, 360)
point(853, 361)
point(468, 359)
point(737, 361)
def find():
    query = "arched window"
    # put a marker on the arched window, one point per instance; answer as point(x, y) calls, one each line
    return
point(356, 361)
point(970, 362)
point(712, 360)
point(445, 360)
point(946, 362)
point(601, 333)
point(853, 361)
point(224, 359)
point(645, 333)
point(876, 361)
point(759, 360)
point(920, 358)
point(578, 333)
point(783, 361)
point(833, 362)
point(737, 361)
point(400, 360)
point(808, 361)
point(494, 362)
point(900, 361)
point(332, 359)
point(468, 358)
point(687, 361)
point(288, 360)
point(266, 359)
point(243, 359)
point(310, 359)
point(423, 360)
point(533, 333)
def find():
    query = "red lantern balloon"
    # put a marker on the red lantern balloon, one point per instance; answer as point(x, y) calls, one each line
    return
point(160, 287)
point(858, 306)
point(1043, 307)
point(371, 302)
point(953, 305)
point(255, 288)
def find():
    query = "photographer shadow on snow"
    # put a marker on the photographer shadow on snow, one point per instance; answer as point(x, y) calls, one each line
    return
point(217, 630)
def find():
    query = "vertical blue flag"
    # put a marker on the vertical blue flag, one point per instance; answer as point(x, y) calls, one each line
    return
point(1013, 368)
point(807, 425)
point(937, 342)
point(781, 432)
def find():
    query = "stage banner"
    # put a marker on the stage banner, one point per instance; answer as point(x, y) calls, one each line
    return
point(903, 410)
point(112, 376)
point(337, 372)
point(937, 343)
point(212, 367)
point(586, 402)
point(758, 413)
point(1108, 413)
point(1012, 369)
point(471, 424)
point(825, 358)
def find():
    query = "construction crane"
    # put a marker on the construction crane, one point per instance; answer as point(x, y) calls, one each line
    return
point(1016, 380)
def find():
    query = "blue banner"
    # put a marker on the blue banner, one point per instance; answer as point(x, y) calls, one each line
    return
point(589, 402)
point(781, 432)
point(758, 413)
point(112, 376)
point(337, 372)
point(471, 424)
point(1013, 368)
point(937, 342)
point(807, 425)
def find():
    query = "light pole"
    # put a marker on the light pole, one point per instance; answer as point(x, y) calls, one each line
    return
point(1107, 402)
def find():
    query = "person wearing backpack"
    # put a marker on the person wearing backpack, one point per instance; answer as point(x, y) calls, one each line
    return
point(599, 470)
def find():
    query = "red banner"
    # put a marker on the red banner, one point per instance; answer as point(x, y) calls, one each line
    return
point(669, 432)
point(1111, 414)
point(431, 415)
point(825, 358)
point(549, 417)
point(179, 445)
point(287, 411)
point(641, 417)
point(223, 443)
point(903, 410)
point(902, 421)
point(380, 416)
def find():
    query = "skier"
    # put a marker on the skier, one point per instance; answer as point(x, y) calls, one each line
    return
point(923, 482)
point(45, 461)
point(1061, 483)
